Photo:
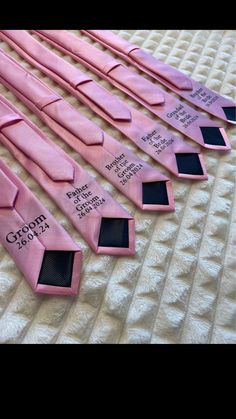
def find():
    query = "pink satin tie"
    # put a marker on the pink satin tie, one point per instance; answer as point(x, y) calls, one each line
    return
point(42, 250)
point(173, 153)
point(114, 161)
point(79, 196)
point(178, 114)
point(194, 92)
point(122, 47)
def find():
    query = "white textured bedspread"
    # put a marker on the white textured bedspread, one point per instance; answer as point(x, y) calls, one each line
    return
point(181, 285)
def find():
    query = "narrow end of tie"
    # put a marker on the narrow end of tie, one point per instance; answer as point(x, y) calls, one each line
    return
point(191, 165)
point(158, 196)
point(215, 138)
point(8, 197)
point(230, 113)
point(56, 271)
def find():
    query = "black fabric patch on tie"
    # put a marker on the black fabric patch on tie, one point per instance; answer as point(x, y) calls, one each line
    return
point(155, 193)
point(114, 232)
point(212, 135)
point(189, 163)
point(57, 268)
point(230, 113)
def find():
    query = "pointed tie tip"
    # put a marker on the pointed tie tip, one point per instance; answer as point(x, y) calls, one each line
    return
point(158, 196)
point(191, 165)
point(117, 237)
point(59, 273)
point(8, 191)
point(114, 232)
point(158, 100)
point(57, 268)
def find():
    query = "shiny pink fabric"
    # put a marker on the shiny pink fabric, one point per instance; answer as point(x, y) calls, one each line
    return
point(152, 138)
point(67, 183)
point(175, 113)
point(189, 89)
point(21, 212)
point(98, 148)
point(149, 136)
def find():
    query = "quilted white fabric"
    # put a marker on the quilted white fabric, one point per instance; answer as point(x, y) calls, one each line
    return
point(181, 285)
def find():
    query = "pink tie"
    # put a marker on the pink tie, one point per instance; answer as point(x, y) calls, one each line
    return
point(178, 114)
point(114, 161)
point(43, 251)
point(79, 196)
point(184, 86)
point(173, 153)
